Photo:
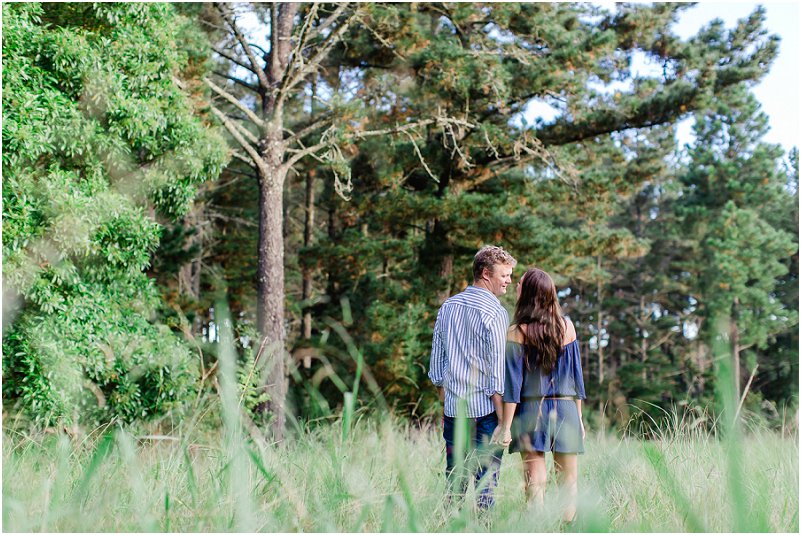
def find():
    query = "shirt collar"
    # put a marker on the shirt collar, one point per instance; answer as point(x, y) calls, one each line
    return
point(472, 288)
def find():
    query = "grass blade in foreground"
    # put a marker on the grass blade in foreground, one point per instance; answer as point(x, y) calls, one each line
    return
point(672, 487)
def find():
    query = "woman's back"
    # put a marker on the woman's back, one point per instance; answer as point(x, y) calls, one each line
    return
point(515, 335)
point(529, 381)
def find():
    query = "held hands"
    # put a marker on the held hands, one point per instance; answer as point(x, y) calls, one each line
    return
point(506, 439)
point(495, 433)
point(501, 436)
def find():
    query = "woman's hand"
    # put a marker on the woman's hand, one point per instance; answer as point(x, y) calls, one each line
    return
point(583, 432)
point(506, 437)
point(501, 436)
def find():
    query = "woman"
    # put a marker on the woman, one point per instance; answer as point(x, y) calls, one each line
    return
point(544, 388)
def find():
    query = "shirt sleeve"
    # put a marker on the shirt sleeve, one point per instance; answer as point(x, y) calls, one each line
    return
point(438, 364)
point(494, 353)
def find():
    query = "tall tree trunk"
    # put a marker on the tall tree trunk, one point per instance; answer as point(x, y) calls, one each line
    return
point(445, 272)
point(308, 226)
point(438, 251)
point(735, 348)
point(190, 273)
point(270, 306)
point(599, 326)
point(643, 339)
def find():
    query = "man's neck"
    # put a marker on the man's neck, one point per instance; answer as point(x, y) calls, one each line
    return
point(484, 285)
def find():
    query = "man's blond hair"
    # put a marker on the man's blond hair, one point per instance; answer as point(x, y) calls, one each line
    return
point(490, 256)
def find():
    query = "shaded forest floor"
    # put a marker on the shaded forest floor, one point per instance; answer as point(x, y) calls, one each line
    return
point(384, 476)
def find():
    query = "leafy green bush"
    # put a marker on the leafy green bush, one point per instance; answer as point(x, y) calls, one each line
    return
point(101, 142)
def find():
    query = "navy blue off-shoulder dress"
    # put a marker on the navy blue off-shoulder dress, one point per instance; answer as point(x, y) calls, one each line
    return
point(542, 424)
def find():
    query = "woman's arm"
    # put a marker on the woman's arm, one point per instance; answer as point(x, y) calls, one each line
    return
point(508, 416)
point(581, 419)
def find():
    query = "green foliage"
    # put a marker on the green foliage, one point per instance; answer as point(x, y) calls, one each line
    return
point(737, 249)
point(99, 137)
point(106, 148)
point(598, 195)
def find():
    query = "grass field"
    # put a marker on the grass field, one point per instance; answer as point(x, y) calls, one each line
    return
point(383, 476)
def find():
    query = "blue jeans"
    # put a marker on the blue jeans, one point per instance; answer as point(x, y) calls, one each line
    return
point(479, 457)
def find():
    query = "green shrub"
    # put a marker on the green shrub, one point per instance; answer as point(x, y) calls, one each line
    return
point(101, 145)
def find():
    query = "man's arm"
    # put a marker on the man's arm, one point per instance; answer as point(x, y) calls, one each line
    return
point(494, 358)
point(437, 366)
point(497, 400)
point(497, 435)
point(494, 374)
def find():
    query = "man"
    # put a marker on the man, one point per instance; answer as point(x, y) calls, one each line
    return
point(467, 365)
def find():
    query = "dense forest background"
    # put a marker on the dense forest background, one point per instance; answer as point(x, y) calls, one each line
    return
point(321, 175)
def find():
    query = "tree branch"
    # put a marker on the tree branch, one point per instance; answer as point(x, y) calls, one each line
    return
point(265, 54)
point(233, 100)
point(244, 159)
point(233, 59)
point(262, 76)
point(293, 76)
point(243, 83)
point(232, 129)
point(327, 22)
point(321, 122)
point(420, 157)
point(302, 35)
point(245, 132)
point(373, 133)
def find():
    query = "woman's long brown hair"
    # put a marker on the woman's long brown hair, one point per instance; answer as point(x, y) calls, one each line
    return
point(538, 309)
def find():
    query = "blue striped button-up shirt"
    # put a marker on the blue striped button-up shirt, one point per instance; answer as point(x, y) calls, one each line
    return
point(467, 354)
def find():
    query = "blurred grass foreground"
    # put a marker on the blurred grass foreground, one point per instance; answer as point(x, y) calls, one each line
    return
point(371, 471)
point(384, 476)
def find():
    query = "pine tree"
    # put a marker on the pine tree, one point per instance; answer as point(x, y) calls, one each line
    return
point(731, 190)
point(457, 77)
point(422, 206)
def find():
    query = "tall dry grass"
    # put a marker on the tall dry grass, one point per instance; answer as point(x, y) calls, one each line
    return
point(377, 473)
point(385, 476)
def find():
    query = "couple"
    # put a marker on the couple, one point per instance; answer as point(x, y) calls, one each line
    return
point(518, 386)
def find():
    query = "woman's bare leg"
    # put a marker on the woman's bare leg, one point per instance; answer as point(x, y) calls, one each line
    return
point(535, 476)
point(566, 465)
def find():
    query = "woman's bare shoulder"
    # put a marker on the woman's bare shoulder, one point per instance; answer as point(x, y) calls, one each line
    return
point(570, 331)
point(514, 334)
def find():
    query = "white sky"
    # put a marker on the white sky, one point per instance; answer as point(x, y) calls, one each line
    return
point(779, 92)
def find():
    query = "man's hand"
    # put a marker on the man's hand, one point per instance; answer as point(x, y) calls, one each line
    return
point(501, 436)
point(496, 435)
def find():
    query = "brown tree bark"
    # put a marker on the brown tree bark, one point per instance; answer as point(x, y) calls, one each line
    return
point(308, 229)
point(308, 226)
point(600, 324)
point(735, 348)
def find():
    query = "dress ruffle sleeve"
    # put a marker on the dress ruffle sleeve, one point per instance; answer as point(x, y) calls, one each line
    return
point(513, 381)
point(574, 373)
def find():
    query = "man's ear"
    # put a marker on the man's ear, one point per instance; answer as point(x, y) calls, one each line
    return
point(486, 273)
